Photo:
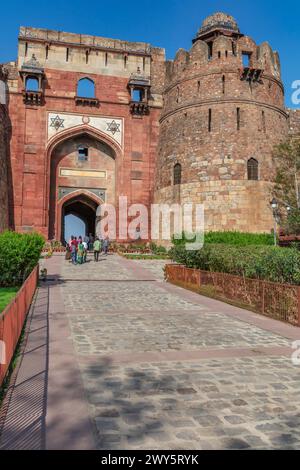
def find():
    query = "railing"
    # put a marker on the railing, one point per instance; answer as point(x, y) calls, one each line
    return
point(275, 300)
point(12, 321)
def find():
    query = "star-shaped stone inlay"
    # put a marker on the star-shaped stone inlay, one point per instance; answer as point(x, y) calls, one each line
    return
point(113, 127)
point(57, 122)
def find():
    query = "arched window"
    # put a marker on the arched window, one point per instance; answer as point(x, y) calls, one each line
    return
point(252, 169)
point(177, 173)
point(32, 84)
point(86, 88)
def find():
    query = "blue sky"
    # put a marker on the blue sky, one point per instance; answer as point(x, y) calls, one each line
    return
point(170, 24)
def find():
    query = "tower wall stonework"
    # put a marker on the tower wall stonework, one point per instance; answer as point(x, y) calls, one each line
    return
point(213, 121)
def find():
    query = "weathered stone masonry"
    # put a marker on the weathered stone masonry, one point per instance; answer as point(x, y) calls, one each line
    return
point(218, 114)
point(197, 129)
point(4, 147)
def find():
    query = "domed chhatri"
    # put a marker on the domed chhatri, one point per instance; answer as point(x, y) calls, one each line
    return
point(218, 21)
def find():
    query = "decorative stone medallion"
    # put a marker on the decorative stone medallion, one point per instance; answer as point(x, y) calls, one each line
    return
point(85, 120)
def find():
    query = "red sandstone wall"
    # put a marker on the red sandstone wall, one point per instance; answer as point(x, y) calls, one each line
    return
point(29, 140)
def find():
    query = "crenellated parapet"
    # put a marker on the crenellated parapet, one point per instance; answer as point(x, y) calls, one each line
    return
point(250, 71)
point(223, 113)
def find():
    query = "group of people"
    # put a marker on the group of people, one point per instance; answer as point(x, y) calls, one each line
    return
point(77, 248)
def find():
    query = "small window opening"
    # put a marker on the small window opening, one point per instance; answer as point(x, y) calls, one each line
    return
point(83, 153)
point(210, 49)
point(144, 64)
point(125, 61)
point(246, 56)
point(263, 119)
point(238, 118)
point(47, 52)
point(177, 174)
point(86, 88)
point(137, 95)
point(226, 53)
point(32, 84)
point(106, 59)
point(219, 54)
point(199, 85)
point(26, 49)
point(252, 169)
point(223, 84)
point(209, 119)
point(67, 54)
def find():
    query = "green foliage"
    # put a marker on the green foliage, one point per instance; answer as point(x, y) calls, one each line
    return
point(231, 238)
point(259, 262)
point(139, 256)
point(6, 295)
point(19, 254)
point(156, 249)
point(291, 225)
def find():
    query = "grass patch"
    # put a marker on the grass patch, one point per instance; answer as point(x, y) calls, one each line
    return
point(6, 295)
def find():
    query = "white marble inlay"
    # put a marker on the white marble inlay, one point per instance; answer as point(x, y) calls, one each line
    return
point(58, 122)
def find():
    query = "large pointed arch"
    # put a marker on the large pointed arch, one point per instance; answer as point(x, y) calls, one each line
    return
point(81, 196)
point(53, 208)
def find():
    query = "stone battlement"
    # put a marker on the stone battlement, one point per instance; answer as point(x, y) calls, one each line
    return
point(82, 40)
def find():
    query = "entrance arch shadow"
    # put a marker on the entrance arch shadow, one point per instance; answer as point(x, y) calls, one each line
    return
point(82, 204)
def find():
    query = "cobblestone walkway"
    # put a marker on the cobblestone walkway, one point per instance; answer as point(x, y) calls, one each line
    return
point(133, 336)
point(164, 368)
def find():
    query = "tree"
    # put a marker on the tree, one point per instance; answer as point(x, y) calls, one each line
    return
point(287, 184)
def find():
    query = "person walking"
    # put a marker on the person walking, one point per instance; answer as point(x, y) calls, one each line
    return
point(91, 241)
point(86, 239)
point(80, 252)
point(106, 245)
point(97, 248)
point(73, 250)
point(85, 250)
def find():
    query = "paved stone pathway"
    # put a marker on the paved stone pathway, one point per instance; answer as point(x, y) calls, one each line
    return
point(136, 363)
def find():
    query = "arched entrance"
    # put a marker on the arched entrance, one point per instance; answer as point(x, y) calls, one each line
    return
point(83, 168)
point(83, 207)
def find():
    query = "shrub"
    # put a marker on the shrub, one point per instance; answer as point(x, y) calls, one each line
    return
point(232, 238)
point(19, 254)
point(158, 249)
point(259, 262)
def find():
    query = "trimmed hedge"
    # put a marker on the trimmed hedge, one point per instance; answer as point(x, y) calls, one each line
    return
point(233, 238)
point(259, 262)
point(19, 254)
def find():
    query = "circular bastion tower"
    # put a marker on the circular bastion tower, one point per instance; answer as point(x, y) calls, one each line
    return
point(223, 114)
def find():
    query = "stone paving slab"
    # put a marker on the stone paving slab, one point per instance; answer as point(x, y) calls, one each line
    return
point(211, 404)
point(153, 366)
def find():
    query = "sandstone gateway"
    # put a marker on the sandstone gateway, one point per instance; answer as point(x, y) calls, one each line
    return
point(87, 119)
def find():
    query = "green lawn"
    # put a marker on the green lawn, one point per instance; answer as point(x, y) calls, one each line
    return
point(6, 294)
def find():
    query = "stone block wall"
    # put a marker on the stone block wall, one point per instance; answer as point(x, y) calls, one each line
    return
point(4, 129)
point(216, 117)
